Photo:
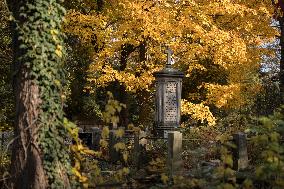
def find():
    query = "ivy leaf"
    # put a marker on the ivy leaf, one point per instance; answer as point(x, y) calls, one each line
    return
point(58, 53)
point(164, 178)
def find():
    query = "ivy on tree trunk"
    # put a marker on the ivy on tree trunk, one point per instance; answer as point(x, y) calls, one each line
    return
point(40, 157)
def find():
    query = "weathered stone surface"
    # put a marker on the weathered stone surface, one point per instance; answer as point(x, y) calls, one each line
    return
point(174, 160)
point(168, 97)
point(80, 130)
point(240, 155)
point(96, 138)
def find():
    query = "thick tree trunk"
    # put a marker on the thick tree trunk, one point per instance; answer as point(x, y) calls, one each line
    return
point(27, 167)
point(144, 101)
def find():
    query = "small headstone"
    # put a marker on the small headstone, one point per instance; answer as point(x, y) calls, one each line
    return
point(96, 138)
point(240, 155)
point(137, 150)
point(174, 161)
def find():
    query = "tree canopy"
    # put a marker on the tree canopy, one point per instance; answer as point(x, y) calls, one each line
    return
point(216, 43)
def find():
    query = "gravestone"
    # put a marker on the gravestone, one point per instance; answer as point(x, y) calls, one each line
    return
point(96, 138)
point(174, 159)
point(137, 150)
point(168, 98)
point(240, 154)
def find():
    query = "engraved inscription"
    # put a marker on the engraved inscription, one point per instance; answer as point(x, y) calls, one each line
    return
point(171, 109)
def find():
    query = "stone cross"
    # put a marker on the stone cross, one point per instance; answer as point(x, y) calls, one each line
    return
point(169, 53)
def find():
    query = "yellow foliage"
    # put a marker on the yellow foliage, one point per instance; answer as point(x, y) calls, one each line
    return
point(248, 184)
point(103, 143)
point(105, 132)
point(112, 107)
point(119, 133)
point(223, 33)
point(119, 146)
point(125, 156)
point(164, 178)
point(198, 112)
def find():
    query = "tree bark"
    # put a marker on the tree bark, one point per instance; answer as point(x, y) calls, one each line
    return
point(27, 167)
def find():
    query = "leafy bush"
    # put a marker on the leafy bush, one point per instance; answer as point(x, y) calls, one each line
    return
point(269, 139)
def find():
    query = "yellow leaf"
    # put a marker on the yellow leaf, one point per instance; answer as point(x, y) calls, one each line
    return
point(119, 146)
point(119, 133)
point(85, 185)
point(58, 53)
point(105, 132)
point(125, 170)
point(164, 178)
point(103, 143)
point(125, 156)
point(54, 32)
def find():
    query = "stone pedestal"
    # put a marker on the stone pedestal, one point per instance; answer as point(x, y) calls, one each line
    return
point(174, 159)
point(240, 154)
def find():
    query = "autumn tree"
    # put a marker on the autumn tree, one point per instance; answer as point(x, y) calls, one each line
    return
point(216, 43)
point(39, 156)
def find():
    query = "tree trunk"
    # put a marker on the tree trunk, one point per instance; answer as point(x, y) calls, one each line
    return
point(29, 152)
point(27, 167)
point(100, 5)
point(127, 49)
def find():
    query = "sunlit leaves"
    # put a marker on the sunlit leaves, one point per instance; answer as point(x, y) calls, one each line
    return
point(201, 33)
point(268, 140)
point(111, 109)
point(198, 111)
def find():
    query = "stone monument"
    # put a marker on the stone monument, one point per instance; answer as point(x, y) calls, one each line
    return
point(168, 98)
